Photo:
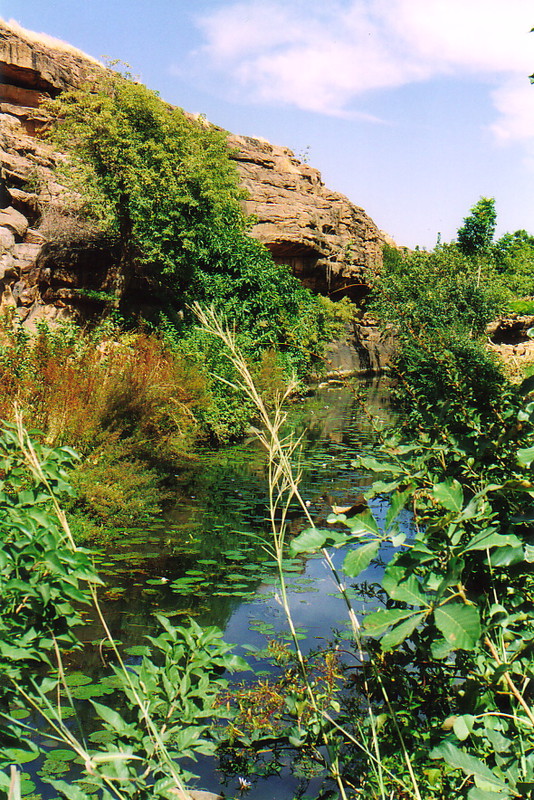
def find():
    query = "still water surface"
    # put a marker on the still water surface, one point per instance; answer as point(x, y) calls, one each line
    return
point(208, 560)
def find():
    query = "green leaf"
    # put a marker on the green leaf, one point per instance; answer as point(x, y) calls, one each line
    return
point(358, 560)
point(70, 790)
point(401, 632)
point(379, 621)
point(525, 456)
point(463, 726)
point(397, 502)
point(370, 463)
point(406, 590)
point(110, 716)
point(459, 624)
point(235, 663)
point(482, 794)
point(309, 540)
point(363, 523)
point(469, 765)
point(528, 384)
point(507, 556)
point(440, 649)
point(398, 539)
point(18, 756)
point(449, 494)
point(61, 754)
point(488, 538)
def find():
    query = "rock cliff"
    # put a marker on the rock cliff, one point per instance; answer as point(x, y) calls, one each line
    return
point(330, 243)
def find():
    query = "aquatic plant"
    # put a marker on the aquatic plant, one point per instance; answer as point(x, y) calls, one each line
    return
point(168, 696)
point(446, 658)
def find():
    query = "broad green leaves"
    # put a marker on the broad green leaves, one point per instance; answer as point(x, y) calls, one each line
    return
point(358, 560)
point(525, 456)
point(449, 494)
point(459, 624)
point(168, 702)
point(470, 766)
point(404, 588)
point(309, 541)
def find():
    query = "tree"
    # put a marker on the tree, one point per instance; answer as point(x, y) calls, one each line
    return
point(164, 184)
point(160, 180)
point(513, 255)
point(476, 234)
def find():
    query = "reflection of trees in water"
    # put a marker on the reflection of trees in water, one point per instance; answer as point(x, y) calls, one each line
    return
point(224, 500)
point(342, 415)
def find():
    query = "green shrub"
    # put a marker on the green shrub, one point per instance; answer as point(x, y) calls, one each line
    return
point(127, 403)
point(520, 307)
point(440, 310)
point(513, 255)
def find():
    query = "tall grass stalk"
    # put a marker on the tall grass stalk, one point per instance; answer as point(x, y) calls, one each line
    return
point(284, 487)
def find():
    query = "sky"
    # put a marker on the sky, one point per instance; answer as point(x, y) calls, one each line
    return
point(412, 108)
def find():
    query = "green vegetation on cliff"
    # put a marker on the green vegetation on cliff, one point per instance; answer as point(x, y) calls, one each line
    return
point(163, 186)
point(154, 198)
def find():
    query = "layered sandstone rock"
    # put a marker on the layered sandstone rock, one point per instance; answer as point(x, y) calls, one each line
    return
point(331, 244)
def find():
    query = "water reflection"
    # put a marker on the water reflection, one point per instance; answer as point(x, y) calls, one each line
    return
point(209, 558)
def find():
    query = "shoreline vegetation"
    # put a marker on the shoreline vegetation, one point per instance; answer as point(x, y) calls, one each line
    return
point(438, 701)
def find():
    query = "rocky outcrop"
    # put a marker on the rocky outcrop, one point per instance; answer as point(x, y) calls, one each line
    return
point(508, 338)
point(331, 244)
point(364, 349)
point(511, 330)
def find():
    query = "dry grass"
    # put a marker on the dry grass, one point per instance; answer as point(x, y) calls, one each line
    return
point(47, 41)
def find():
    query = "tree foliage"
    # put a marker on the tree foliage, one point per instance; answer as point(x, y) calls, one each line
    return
point(161, 180)
point(164, 184)
point(476, 234)
point(513, 255)
point(439, 310)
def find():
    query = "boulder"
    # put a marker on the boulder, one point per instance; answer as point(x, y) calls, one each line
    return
point(8, 269)
point(7, 240)
point(26, 256)
point(365, 348)
point(14, 221)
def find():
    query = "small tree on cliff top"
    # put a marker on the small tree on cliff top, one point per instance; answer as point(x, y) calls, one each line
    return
point(160, 180)
point(476, 234)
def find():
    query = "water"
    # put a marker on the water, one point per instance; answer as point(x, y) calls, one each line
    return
point(208, 559)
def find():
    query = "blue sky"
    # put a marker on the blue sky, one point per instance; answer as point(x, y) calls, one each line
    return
point(412, 108)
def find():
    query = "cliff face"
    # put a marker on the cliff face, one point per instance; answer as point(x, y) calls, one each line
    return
point(329, 242)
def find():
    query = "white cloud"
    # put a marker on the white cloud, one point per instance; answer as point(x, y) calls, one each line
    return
point(515, 104)
point(326, 57)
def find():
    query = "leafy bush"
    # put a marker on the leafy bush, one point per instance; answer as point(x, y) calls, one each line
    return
point(476, 234)
point(158, 179)
point(513, 255)
point(168, 697)
point(439, 310)
point(163, 188)
point(437, 289)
